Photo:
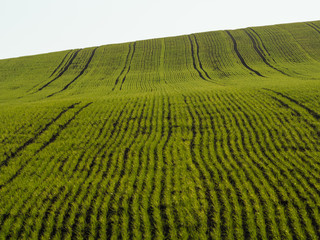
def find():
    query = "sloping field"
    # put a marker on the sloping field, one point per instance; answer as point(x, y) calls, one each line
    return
point(212, 135)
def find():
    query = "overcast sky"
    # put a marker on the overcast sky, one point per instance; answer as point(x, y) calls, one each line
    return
point(31, 27)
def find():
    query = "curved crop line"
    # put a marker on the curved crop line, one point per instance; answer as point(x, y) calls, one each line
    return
point(163, 206)
point(121, 174)
point(287, 175)
point(32, 140)
point(210, 210)
point(64, 200)
point(62, 72)
point(67, 215)
point(315, 27)
point(194, 60)
point(200, 64)
point(313, 113)
point(256, 194)
point(264, 46)
point(260, 52)
point(60, 64)
point(126, 65)
point(133, 51)
point(256, 166)
point(235, 46)
point(52, 139)
point(79, 75)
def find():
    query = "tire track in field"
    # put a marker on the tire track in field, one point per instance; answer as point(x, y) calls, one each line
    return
point(36, 136)
point(126, 68)
point(199, 61)
point(295, 164)
point(295, 113)
point(79, 75)
point(235, 47)
point(44, 145)
point(260, 52)
point(310, 111)
point(65, 68)
point(194, 60)
point(60, 64)
point(315, 27)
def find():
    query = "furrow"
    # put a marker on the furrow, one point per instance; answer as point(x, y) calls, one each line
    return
point(165, 180)
point(313, 26)
point(283, 171)
point(52, 139)
point(65, 68)
point(198, 57)
point(60, 64)
point(112, 206)
point(79, 75)
point(104, 174)
point(260, 52)
point(234, 153)
point(35, 137)
point(124, 77)
point(126, 65)
point(265, 172)
point(91, 209)
point(135, 223)
point(235, 47)
point(28, 213)
point(211, 206)
point(44, 220)
point(218, 175)
point(256, 198)
point(310, 111)
point(126, 212)
point(311, 126)
point(76, 169)
point(253, 178)
point(194, 60)
point(86, 180)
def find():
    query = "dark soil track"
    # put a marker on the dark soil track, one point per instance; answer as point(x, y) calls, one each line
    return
point(235, 47)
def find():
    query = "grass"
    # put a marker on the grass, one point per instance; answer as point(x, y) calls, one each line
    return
point(211, 135)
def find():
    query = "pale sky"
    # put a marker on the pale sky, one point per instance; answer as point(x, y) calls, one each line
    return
point(30, 27)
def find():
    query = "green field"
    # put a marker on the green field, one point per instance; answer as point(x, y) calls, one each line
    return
point(210, 135)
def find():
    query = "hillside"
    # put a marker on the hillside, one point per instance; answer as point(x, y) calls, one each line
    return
point(210, 135)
